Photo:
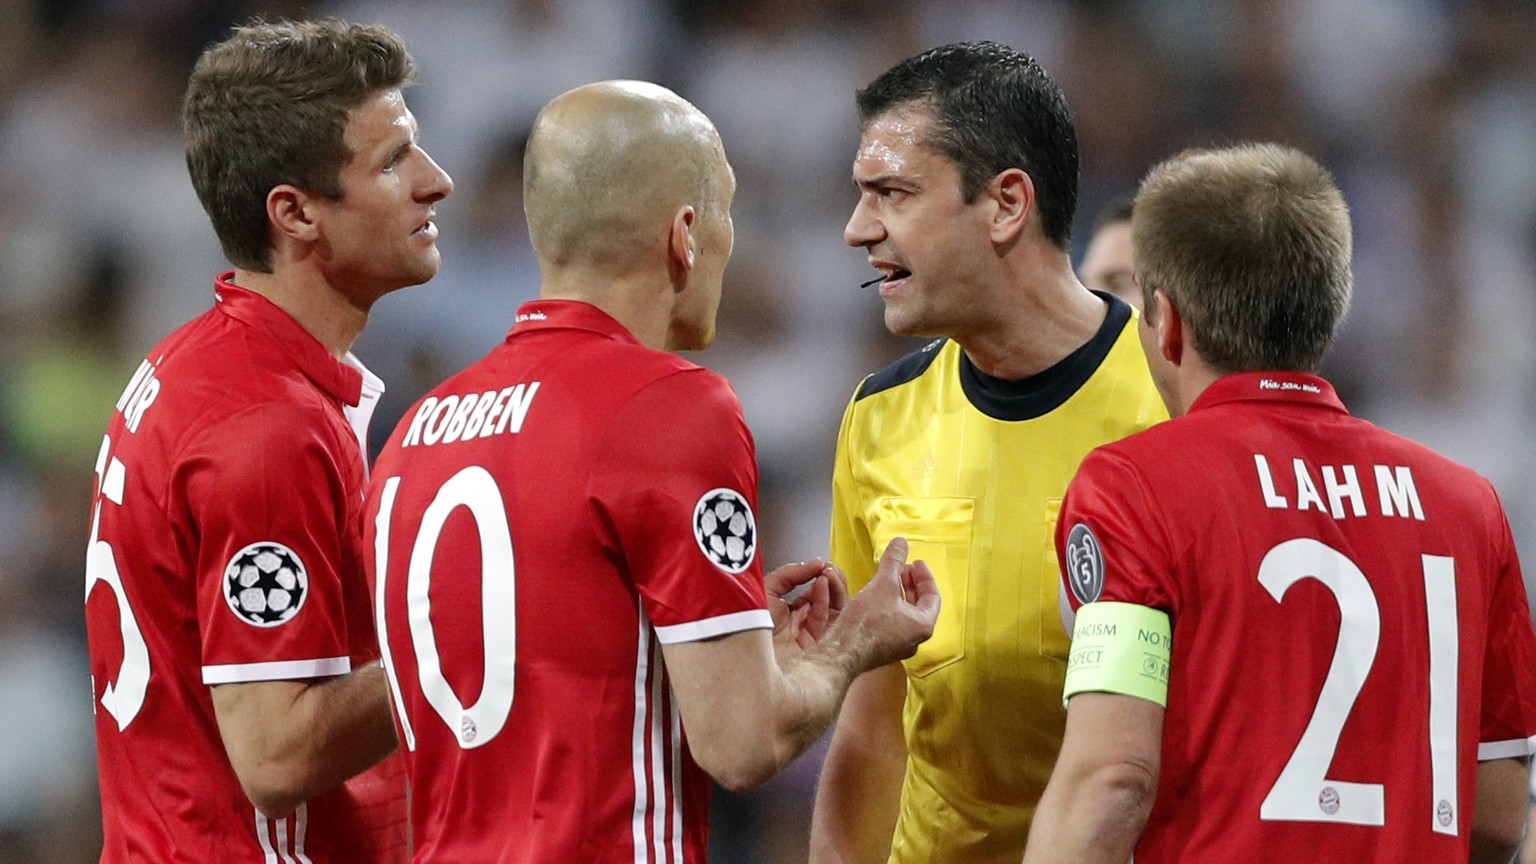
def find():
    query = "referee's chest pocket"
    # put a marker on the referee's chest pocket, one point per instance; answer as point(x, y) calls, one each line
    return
point(938, 531)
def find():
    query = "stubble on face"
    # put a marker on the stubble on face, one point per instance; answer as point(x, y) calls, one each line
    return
point(381, 235)
point(915, 224)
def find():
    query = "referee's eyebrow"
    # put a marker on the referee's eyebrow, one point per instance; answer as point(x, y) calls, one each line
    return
point(881, 180)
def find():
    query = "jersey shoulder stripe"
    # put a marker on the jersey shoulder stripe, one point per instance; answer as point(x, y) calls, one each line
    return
point(903, 371)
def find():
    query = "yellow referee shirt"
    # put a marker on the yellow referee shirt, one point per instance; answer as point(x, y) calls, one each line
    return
point(971, 470)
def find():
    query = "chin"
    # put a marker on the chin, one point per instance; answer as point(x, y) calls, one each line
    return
point(905, 325)
point(428, 268)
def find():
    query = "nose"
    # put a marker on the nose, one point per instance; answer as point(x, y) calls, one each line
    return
point(437, 185)
point(863, 228)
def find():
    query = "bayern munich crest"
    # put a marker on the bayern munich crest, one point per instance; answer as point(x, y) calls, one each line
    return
point(1084, 564)
point(725, 529)
point(266, 584)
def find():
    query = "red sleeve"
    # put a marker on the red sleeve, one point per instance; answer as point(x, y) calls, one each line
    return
point(676, 485)
point(1110, 544)
point(1509, 687)
point(265, 493)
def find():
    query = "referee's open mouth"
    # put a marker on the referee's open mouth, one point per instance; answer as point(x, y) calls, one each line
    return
point(893, 280)
point(892, 275)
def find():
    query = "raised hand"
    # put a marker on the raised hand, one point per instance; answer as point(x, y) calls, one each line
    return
point(895, 612)
point(804, 600)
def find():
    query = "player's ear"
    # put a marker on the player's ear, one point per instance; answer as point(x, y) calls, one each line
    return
point(681, 247)
point(290, 211)
point(1169, 325)
point(1013, 195)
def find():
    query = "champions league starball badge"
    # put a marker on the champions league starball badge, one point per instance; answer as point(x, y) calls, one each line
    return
point(724, 527)
point(1084, 564)
point(266, 584)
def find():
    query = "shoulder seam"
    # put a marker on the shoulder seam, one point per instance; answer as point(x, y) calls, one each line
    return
point(903, 371)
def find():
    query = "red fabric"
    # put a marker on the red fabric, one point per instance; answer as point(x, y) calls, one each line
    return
point(1185, 522)
point(561, 743)
point(244, 444)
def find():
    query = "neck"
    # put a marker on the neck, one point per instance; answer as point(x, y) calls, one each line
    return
point(639, 301)
point(1044, 315)
point(1190, 379)
point(317, 305)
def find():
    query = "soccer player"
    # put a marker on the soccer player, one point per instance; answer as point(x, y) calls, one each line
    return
point(1351, 651)
point(564, 546)
point(233, 658)
point(1107, 263)
point(967, 177)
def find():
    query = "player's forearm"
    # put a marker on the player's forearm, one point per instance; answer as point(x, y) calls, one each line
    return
point(858, 798)
point(1092, 815)
point(1499, 810)
point(353, 727)
point(804, 698)
point(1528, 848)
point(810, 692)
point(289, 741)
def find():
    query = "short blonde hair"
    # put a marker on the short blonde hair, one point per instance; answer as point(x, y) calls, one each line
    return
point(1252, 245)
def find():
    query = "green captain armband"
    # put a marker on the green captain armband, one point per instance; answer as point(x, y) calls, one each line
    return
point(1120, 648)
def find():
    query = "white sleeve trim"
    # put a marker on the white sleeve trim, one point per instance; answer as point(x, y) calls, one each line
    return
point(277, 670)
point(720, 625)
point(1512, 749)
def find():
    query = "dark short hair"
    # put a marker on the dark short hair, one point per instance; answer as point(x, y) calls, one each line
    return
point(268, 106)
point(1252, 245)
point(993, 108)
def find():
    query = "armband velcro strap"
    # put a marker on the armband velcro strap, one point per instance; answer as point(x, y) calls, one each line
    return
point(1120, 648)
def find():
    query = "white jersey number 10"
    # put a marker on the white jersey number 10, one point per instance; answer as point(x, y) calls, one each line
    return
point(1303, 792)
point(475, 489)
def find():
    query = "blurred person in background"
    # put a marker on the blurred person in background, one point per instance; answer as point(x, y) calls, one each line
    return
point(232, 654)
point(967, 175)
point(565, 532)
point(1106, 265)
point(1293, 629)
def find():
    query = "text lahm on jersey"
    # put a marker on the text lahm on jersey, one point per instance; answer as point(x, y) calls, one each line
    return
point(1336, 489)
point(471, 415)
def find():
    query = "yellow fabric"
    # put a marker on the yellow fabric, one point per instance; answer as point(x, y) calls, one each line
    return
point(1122, 648)
point(977, 498)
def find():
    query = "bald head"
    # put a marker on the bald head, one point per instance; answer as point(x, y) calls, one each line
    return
point(609, 164)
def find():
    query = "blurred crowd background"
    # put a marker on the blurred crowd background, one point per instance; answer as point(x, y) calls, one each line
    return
point(1425, 110)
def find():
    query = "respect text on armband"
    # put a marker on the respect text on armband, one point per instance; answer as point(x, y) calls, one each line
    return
point(459, 417)
point(1120, 648)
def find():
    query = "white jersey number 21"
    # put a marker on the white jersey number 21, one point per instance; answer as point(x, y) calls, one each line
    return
point(1303, 792)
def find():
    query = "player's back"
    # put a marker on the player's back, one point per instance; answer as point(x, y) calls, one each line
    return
point(531, 698)
point(1340, 599)
point(176, 505)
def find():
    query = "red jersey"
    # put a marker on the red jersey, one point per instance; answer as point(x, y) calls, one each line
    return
point(225, 547)
point(1350, 630)
point(538, 526)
